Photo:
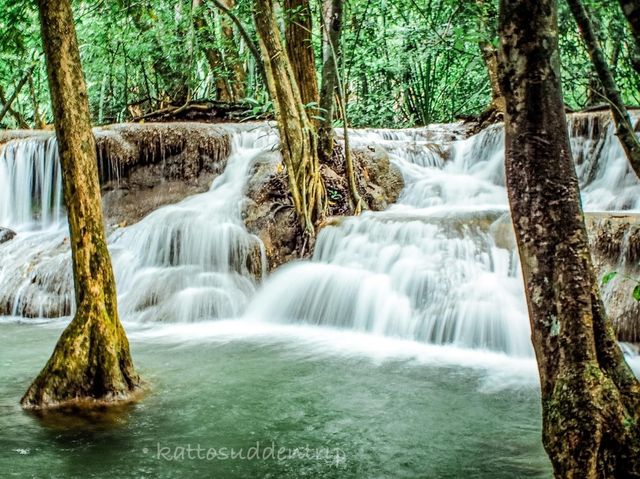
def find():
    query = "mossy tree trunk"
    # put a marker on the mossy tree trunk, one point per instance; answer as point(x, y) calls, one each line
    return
point(298, 37)
point(590, 397)
point(297, 135)
point(91, 360)
point(331, 30)
point(621, 118)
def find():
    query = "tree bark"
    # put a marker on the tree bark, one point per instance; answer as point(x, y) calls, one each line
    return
point(331, 30)
point(213, 55)
point(91, 360)
point(590, 397)
point(621, 118)
point(631, 10)
point(16, 92)
point(490, 58)
point(297, 138)
point(233, 62)
point(298, 30)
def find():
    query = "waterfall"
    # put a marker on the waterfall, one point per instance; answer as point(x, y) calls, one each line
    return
point(195, 259)
point(440, 266)
point(185, 262)
point(30, 184)
point(427, 269)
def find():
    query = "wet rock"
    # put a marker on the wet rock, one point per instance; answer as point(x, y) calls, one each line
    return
point(42, 286)
point(381, 181)
point(615, 246)
point(6, 235)
point(145, 166)
point(269, 212)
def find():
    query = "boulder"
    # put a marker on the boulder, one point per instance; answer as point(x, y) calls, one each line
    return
point(269, 212)
point(6, 235)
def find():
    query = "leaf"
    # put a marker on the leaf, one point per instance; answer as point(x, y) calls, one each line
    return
point(608, 277)
point(636, 292)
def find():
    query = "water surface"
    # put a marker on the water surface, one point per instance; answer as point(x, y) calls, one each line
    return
point(364, 406)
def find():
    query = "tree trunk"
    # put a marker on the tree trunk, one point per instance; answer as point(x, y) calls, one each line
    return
point(490, 58)
point(487, 26)
point(331, 29)
point(297, 138)
point(16, 115)
point(233, 62)
point(590, 397)
point(255, 52)
point(213, 56)
point(631, 10)
point(91, 360)
point(621, 118)
point(298, 30)
point(14, 95)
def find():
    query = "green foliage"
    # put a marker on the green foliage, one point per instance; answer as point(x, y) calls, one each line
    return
point(404, 63)
point(607, 278)
point(579, 80)
point(260, 108)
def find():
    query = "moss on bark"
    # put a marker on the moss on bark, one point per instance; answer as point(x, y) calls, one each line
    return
point(91, 360)
point(297, 136)
point(590, 397)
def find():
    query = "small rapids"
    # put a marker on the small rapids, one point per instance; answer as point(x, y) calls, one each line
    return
point(439, 267)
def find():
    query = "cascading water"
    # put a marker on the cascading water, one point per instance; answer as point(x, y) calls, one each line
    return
point(187, 261)
point(195, 260)
point(437, 267)
point(30, 184)
point(427, 269)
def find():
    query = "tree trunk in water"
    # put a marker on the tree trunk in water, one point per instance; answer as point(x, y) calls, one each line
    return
point(621, 118)
point(91, 360)
point(298, 29)
point(590, 397)
point(331, 28)
point(213, 56)
point(233, 63)
point(297, 138)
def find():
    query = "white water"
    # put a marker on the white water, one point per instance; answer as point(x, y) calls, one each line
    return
point(436, 268)
point(30, 185)
point(187, 261)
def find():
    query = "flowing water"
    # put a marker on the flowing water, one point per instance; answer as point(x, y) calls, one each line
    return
point(402, 346)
